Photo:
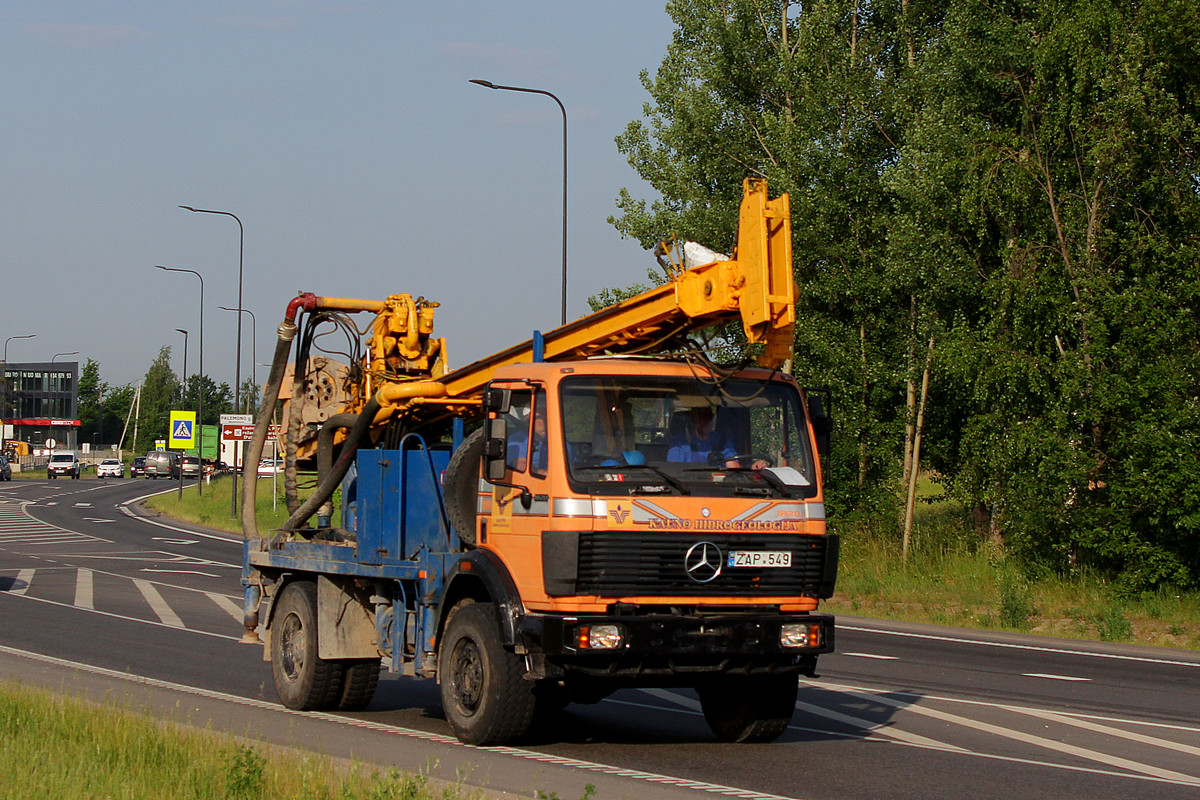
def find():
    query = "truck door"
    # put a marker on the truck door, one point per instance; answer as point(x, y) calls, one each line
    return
point(520, 511)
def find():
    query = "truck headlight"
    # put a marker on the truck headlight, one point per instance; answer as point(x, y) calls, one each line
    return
point(599, 637)
point(799, 634)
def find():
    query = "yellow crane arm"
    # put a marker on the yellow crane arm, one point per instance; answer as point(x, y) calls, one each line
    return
point(755, 286)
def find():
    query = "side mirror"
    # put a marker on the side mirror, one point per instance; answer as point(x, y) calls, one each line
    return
point(495, 447)
point(497, 401)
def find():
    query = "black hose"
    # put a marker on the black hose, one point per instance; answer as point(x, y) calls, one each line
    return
point(329, 481)
point(325, 442)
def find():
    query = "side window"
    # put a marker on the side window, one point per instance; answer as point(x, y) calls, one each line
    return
point(539, 451)
point(518, 423)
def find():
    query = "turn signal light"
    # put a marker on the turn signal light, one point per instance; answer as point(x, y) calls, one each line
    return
point(598, 637)
point(800, 634)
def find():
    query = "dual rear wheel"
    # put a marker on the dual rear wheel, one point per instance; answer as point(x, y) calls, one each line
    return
point(303, 680)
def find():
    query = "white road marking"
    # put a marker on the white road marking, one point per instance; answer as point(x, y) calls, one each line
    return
point(24, 578)
point(871, 655)
point(157, 604)
point(83, 588)
point(83, 505)
point(182, 572)
point(94, 519)
point(1108, 759)
point(232, 608)
point(846, 719)
point(228, 538)
point(168, 540)
point(1108, 730)
point(1015, 646)
point(1049, 677)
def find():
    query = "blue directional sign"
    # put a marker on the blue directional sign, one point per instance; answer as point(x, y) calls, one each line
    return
point(183, 430)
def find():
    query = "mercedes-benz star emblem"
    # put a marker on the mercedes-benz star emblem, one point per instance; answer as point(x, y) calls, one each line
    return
point(703, 562)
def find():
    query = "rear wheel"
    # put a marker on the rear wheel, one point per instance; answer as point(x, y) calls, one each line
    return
point(484, 693)
point(361, 678)
point(756, 709)
point(303, 680)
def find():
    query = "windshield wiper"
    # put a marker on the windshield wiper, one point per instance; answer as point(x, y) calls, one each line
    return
point(666, 477)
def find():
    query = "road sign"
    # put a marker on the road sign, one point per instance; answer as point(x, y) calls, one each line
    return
point(183, 430)
point(244, 433)
point(237, 419)
point(50, 443)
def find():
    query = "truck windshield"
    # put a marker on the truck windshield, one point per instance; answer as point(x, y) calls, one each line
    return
point(658, 435)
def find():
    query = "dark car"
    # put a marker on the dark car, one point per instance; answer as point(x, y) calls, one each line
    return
point(138, 467)
point(190, 466)
point(5, 469)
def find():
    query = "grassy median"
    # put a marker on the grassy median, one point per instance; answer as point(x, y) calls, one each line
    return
point(57, 745)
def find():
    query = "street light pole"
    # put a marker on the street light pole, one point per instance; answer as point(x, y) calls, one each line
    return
point(253, 342)
point(200, 402)
point(563, 109)
point(183, 390)
point(237, 370)
point(4, 380)
point(56, 355)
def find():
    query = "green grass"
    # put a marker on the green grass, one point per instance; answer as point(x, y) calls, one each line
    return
point(953, 578)
point(214, 508)
point(55, 745)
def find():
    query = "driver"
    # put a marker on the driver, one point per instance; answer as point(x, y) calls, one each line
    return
point(701, 441)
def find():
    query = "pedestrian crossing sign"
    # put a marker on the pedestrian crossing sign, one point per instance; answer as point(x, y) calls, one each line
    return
point(183, 430)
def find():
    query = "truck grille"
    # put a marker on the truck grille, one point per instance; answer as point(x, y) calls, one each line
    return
point(653, 565)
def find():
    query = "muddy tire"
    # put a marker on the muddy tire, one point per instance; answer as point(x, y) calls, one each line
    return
point(748, 710)
point(303, 680)
point(462, 486)
point(358, 686)
point(484, 693)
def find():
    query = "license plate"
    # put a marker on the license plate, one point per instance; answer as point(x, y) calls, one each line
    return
point(760, 558)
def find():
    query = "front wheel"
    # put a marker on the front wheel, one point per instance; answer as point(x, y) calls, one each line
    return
point(303, 680)
point(756, 709)
point(484, 692)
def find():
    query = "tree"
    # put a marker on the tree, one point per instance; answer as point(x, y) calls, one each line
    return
point(1072, 132)
point(159, 387)
point(218, 398)
point(994, 216)
point(805, 95)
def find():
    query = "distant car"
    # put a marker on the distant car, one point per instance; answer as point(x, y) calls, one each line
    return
point(138, 467)
point(110, 468)
point(63, 463)
point(159, 463)
point(190, 466)
point(270, 466)
point(5, 469)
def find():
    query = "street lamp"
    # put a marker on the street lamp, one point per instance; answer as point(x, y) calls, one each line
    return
point(184, 386)
point(200, 402)
point(56, 355)
point(237, 369)
point(253, 341)
point(490, 85)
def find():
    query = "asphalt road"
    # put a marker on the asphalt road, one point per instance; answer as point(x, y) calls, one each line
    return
point(99, 600)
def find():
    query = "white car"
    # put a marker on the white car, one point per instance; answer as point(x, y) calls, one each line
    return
point(270, 467)
point(110, 468)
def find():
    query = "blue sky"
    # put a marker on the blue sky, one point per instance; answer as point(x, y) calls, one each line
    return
point(346, 137)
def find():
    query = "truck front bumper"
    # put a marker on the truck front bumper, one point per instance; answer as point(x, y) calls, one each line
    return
point(640, 645)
